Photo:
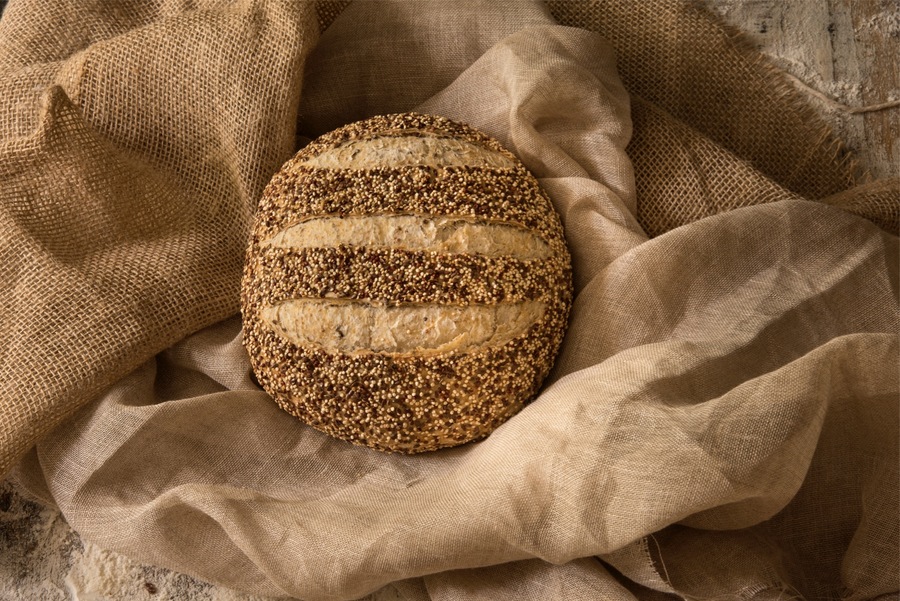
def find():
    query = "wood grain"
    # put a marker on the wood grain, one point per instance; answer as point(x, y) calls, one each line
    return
point(846, 50)
point(843, 54)
point(878, 52)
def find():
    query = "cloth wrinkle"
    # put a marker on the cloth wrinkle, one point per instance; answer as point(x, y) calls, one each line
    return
point(718, 422)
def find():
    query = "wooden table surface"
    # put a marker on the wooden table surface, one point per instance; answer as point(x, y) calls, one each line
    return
point(845, 56)
point(842, 53)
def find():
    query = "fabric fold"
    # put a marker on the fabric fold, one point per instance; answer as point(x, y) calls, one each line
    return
point(721, 419)
point(133, 151)
point(643, 439)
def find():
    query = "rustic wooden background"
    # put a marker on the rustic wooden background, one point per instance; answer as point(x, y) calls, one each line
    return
point(845, 54)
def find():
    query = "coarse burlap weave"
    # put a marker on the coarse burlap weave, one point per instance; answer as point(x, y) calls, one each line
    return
point(722, 419)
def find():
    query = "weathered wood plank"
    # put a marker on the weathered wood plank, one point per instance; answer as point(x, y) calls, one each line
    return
point(844, 54)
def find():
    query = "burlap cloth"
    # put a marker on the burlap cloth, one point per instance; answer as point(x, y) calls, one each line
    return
point(722, 420)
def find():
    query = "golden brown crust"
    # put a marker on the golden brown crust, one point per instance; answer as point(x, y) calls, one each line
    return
point(411, 402)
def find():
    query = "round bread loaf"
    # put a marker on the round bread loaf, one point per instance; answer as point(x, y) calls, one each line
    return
point(407, 284)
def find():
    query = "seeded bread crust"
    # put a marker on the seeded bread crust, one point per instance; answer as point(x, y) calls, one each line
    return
point(404, 402)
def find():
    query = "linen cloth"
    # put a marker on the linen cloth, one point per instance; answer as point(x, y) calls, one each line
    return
point(723, 416)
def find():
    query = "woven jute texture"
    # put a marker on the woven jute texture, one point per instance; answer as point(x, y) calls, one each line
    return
point(722, 420)
point(134, 144)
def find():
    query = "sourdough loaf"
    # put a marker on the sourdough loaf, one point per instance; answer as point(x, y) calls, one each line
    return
point(407, 284)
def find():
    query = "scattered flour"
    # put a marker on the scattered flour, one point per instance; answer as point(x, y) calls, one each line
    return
point(99, 575)
point(840, 91)
point(831, 59)
point(887, 21)
point(43, 559)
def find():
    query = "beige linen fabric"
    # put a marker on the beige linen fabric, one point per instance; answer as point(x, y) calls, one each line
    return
point(723, 417)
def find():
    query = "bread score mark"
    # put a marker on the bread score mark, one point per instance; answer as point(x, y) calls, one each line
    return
point(357, 327)
point(387, 151)
point(443, 234)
